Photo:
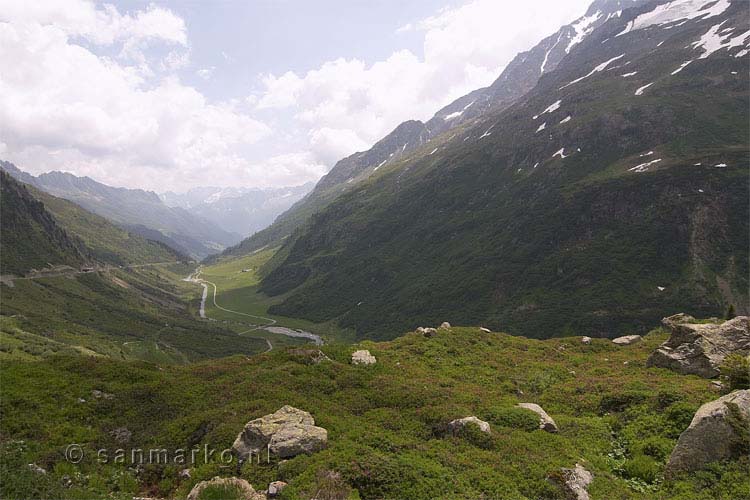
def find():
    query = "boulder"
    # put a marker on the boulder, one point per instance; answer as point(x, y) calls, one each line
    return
point(456, 425)
point(585, 340)
point(363, 357)
point(243, 488)
point(286, 433)
point(713, 433)
point(545, 421)
point(700, 348)
point(184, 474)
point(35, 468)
point(485, 330)
point(575, 481)
point(274, 489)
point(627, 340)
point(429, 332)
point(445, 324)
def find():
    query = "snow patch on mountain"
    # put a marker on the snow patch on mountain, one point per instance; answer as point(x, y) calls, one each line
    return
point(641, 89)
point(677, 10)
point(458, 113)
point(552, 107)
point(712, 41)
point(541, 127)
point(682, 66)
point(582, 27)
point(644, 166)
point(597, 69)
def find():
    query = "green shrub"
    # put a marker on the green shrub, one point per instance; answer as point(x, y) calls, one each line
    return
point(620, 401)
point(678, 418)
point(655, 447)
point(736, 371)
point(221, 492)
point(515, 418)
point(642, 467)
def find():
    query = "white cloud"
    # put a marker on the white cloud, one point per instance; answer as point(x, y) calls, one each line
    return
point(205, 73)
point(464, 48)
point(65, 106)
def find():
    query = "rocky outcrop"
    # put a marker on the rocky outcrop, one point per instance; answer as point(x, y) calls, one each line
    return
point(575, 481)
point(243, 488)
point(713, 434)
point(546, 423)
point(585, 340)
point(286, 433)
point(363, 357)
point(426, 332)
point(700, 348)
point(275, 488)
point(445, 325)
point(456, 425)
point(309, 356)
point(485, 330)
point(627, 340)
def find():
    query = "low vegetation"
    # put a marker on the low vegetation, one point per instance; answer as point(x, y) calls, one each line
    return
point(616, 417)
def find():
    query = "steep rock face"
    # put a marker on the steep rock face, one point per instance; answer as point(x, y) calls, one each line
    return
point(285, 433)
point(600, 223)
point(700, 348)
point(714, 433)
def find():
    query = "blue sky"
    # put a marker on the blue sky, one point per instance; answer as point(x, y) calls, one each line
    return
point(178, 94)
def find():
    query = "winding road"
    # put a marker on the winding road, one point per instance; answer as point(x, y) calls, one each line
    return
point(267, 326)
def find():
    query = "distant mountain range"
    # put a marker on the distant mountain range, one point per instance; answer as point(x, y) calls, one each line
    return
point(603, 186)
point(139, 211)
point(242, 211)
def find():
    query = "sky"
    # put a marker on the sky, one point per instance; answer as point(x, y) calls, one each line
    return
point(256, 93)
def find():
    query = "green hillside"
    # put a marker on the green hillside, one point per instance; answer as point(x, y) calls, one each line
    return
point(629, 203)
point(30, 237)
point(105, 241)
point(616, 417)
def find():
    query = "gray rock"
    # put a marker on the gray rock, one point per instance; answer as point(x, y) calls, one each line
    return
point(363, 357)
point(700, 348)
point(627, 340)
point(445, 324)
point(546, 423)
point(275, 488)
point(286, 433)
point(243, 488)
point(184, 474)
point(37, 469)
point(585, 340)
point(712, 434)
point(121, 435)
point(575, 482)
point(460, 423)
point(485, 330)
point(97, 394)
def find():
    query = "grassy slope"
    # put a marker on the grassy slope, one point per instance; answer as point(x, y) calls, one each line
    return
point(123, 314)
point(106, 241)
point(616, 417)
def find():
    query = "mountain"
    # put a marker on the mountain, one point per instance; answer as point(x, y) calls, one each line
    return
point(134, 209)
point(520, 76)
point(242, 211)
point(30, 237)
point(611, 194)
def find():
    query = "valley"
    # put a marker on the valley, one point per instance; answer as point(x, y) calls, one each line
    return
point(523, 272)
